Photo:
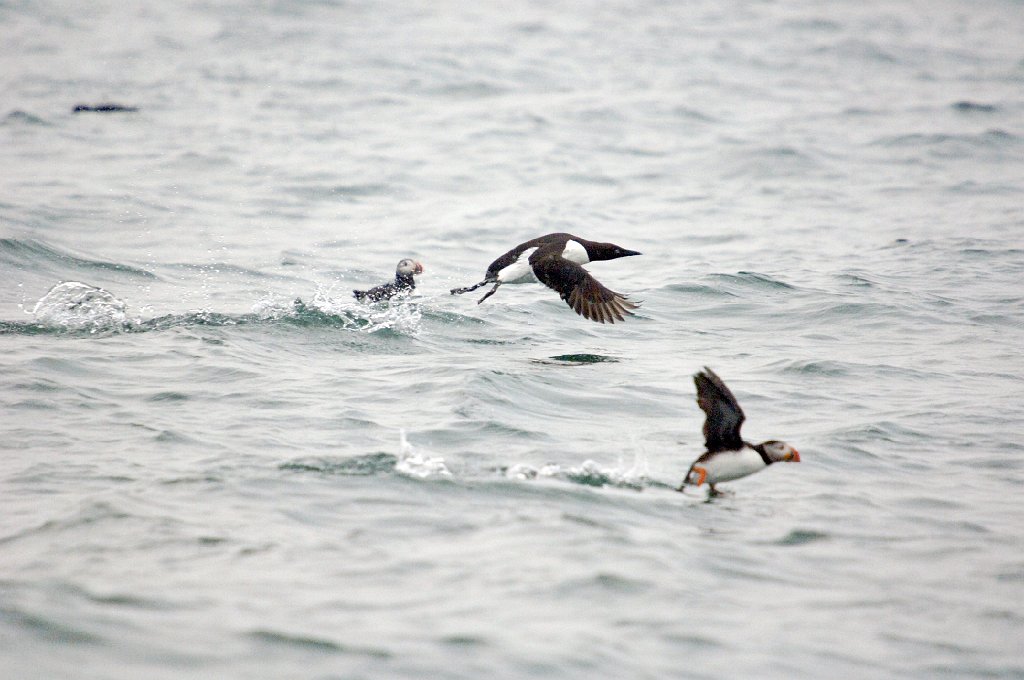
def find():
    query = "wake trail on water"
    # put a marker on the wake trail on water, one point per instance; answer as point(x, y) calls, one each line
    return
point(415, 461)
point(77, 308)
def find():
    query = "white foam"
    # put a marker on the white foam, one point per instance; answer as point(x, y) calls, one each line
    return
point(271, 307)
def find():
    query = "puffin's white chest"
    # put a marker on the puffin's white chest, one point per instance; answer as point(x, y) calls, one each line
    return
point(728, 465)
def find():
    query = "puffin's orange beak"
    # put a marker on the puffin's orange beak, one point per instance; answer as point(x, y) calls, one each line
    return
point(793, 457)
point(419, 268)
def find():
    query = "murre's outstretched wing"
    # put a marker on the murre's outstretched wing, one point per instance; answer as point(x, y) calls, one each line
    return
point(579, 289)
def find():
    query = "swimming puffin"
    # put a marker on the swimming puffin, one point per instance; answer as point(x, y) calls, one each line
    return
point(555, 260)
point(728, 457)
point(403, 283)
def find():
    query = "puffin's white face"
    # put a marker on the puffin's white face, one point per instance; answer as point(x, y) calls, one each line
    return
point(781, 452)
point(408, 266)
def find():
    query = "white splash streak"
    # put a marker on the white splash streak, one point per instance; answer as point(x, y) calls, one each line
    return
point(636, 476)
point(419, 464)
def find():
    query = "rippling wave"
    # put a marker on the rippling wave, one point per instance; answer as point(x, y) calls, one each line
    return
point(217, 463)
point(22, 253)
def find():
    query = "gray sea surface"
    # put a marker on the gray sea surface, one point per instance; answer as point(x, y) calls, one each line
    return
point(215, 463)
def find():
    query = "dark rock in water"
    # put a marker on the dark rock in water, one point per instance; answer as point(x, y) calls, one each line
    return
point(104, 108)
point(973, 106)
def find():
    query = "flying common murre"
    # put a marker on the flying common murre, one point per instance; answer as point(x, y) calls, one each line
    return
point(555, 260)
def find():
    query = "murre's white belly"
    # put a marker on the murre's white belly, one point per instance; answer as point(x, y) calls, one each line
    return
point(519, 271)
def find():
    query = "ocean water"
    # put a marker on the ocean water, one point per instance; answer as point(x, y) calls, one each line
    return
point(214, 463)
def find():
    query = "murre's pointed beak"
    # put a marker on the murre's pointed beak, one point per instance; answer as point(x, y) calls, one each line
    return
point(627, 253)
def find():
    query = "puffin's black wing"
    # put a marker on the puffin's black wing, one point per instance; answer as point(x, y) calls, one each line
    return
point(579, 289)
point(384, 291)
point(724, 415)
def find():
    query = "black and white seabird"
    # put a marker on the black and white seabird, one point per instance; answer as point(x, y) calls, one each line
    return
point(728, 457)
point(104, 108)
point(403, 283)
point(555, 260)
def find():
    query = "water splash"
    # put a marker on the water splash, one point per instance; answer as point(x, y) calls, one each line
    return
point(78, 306)
point(588, 473)
point(418, 463)
point(397, 314)
point(73, 306)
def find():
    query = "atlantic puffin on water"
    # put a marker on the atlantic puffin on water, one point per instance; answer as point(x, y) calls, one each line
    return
point(555, 260)
point(403, 283)
point(728, 457)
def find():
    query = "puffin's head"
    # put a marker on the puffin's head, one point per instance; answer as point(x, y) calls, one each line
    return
point(780, 452)
point(409, 267)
